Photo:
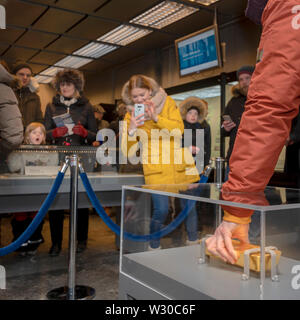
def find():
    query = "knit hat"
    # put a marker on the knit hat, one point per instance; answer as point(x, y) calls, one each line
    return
point(70, 76)
point(244, 69)
point(21, 66)
point(98, 108)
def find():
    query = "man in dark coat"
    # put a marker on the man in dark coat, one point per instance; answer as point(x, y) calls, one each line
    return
point(29, 101)
point(236, 107)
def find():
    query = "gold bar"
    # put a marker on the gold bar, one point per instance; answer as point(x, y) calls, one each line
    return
point(254, 258)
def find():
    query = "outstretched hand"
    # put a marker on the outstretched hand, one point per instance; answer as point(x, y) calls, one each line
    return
point(220, 243)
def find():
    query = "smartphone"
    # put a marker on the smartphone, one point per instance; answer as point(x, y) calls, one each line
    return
point(226, 117)
point(139, 108)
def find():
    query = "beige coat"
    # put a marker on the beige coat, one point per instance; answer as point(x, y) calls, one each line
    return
point(11, 127)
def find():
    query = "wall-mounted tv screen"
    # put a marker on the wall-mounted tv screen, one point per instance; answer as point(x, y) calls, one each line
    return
point(198, 51)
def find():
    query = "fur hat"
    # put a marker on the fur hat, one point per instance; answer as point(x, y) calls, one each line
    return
point(70, 76)
point(196, 103)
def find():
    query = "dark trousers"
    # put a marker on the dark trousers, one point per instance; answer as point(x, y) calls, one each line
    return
point(19, 226)
point(56, 221)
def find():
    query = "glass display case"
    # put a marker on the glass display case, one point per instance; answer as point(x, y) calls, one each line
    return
point(37, 160)
point(161, 259)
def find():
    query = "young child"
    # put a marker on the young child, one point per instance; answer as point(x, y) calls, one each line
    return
point(35, 133)
point(194, 112)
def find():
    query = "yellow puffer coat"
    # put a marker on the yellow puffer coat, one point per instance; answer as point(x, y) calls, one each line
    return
point(163, 163)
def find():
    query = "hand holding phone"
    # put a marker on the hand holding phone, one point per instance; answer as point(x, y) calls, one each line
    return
point(139, 109)
point(227, 117)
point(228, 124)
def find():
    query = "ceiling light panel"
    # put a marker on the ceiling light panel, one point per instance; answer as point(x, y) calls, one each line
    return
point(124, 35)
point(73, 62)
point(52, 71)
point(205, 2)
point(164, 14)
point(95, 50)
point(43, 79)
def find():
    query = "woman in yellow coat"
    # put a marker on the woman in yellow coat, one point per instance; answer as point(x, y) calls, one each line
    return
point(158, 133)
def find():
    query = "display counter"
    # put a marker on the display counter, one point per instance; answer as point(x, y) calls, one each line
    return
point(267, 268)
point(20, 193)
point(34, 169)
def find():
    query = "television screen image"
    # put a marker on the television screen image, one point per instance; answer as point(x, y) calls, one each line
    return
point(198, 52)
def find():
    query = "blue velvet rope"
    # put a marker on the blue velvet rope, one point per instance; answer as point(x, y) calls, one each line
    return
point(141, 238)
point(37, 219)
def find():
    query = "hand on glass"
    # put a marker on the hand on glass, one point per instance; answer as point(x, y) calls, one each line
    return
point(228, 125)
point(220, 243)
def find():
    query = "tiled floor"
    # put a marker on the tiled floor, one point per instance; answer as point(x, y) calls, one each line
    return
point(31, 278)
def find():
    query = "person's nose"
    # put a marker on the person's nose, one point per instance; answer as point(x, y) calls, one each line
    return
point(244, 83)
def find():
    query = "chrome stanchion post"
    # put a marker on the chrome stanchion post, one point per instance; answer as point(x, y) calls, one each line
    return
point(219, 172)
point(73, 226)
point(72, 292)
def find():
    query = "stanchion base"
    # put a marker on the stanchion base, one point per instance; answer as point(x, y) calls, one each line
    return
point(81, 293)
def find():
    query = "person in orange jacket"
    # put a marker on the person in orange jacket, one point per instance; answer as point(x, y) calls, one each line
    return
point(273, 101)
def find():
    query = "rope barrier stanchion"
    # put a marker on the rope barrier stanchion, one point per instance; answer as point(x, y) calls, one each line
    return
point(72, 291)
point(37, 219)
point(219, 175)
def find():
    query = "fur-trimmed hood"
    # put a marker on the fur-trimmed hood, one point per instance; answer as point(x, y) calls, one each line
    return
point(235, 91)
point(196, 102)
point(158, 96)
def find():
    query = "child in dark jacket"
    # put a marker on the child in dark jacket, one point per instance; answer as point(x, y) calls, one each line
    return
point(194, 112)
